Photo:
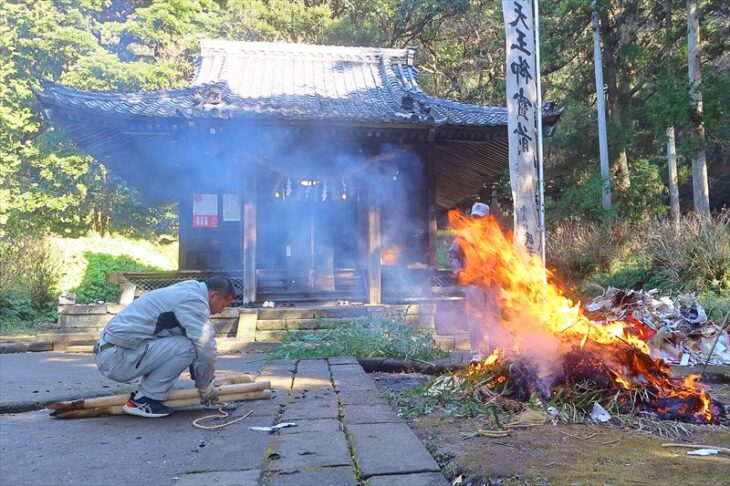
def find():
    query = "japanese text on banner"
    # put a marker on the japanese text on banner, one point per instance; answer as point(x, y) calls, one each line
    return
point(521, 101)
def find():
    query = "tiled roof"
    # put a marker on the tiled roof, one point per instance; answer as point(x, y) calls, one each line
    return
point(275, 81)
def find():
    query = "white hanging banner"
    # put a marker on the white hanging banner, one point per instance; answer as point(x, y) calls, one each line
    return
point(521, 104)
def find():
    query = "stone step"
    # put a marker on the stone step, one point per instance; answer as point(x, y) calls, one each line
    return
point(284, 313)
point(17, 338)
point(278, 336)
point(463, 343)
point(305, 324)
point(344, 312)
point(230, 346)
point(80, 349)
point(453, 341)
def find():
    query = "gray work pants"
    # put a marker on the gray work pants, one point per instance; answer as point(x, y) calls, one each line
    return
point(157, 362)
point(482, 314)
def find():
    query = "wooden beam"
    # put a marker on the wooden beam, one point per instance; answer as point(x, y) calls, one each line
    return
point(374, 246)
point(248, 234)
point(432, 225)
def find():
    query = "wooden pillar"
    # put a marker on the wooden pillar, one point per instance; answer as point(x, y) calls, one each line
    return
point(248, 234)
point(183, 219)
point(374, 269)
point(431, 201)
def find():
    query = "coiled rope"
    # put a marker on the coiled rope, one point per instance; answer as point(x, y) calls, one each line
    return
point(220, 415)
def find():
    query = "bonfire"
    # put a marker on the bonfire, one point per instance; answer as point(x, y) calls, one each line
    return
point(547, 349)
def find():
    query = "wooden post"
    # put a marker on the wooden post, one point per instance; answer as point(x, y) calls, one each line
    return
point(432, 224)
point(184, 218)
point(374, 247)
point(249, 239)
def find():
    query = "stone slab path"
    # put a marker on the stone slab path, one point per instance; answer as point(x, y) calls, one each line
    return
point(346, 434)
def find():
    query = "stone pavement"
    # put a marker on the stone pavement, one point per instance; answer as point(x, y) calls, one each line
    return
point(346, 434)
point(30, 381)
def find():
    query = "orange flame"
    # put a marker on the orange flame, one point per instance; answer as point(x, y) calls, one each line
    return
point(477, 368)
point(537, 320)
point(527, 302)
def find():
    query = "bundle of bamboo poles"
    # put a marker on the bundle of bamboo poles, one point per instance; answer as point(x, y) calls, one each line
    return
point(231, 389)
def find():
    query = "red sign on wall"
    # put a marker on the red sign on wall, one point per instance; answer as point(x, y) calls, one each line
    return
point(205, 210)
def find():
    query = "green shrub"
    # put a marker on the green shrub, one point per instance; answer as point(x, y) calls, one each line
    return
point(581, 200)
point(645, 198)
point(388, 338)
point(650, 253)
point(694, 257)
point(30, 268)
point(444, 238)
point(10, 257)
point(42, 273)
point(14, 307)
point(717, 306)
point(94, 286)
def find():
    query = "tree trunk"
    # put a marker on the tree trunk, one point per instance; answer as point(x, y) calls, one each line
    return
point(610, 51)
point(601, 109)
point(700, 190)
point(673, 189)
point(674, 213)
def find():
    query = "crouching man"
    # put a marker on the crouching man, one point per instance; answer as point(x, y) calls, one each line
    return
point(160, 335)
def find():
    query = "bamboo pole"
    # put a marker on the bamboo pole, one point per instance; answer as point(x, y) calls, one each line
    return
point(236, 379)
point(118, 400)
point(186, 402)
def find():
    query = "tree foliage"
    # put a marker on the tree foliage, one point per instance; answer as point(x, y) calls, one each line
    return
point(132, 45)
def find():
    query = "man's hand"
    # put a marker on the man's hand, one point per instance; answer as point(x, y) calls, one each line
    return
point(209, 393)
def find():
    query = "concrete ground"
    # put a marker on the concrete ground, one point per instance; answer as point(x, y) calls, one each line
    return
point(346, 434)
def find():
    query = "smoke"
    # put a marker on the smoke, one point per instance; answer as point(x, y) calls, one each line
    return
point(313, 192)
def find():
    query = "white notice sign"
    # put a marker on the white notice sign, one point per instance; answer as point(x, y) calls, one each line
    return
point(231, 207)
point(205, 210)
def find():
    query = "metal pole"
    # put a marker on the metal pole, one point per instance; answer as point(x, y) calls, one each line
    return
point(601, 107)
point(540, 168)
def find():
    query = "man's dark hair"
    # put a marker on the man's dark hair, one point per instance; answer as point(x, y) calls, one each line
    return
point(221, 284)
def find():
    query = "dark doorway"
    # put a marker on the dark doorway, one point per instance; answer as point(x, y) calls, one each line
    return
point(303, 240)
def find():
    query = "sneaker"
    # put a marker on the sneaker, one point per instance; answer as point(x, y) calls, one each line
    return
point(145, 407)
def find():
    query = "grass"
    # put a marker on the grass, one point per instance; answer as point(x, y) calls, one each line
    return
point(381, 337)
point(485, 396)
point(30, 282)
point(12, 327)
point(76, 264)
point(694, 257)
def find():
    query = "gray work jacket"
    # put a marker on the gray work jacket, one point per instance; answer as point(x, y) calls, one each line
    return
point(455, 256)
point(180, 309)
